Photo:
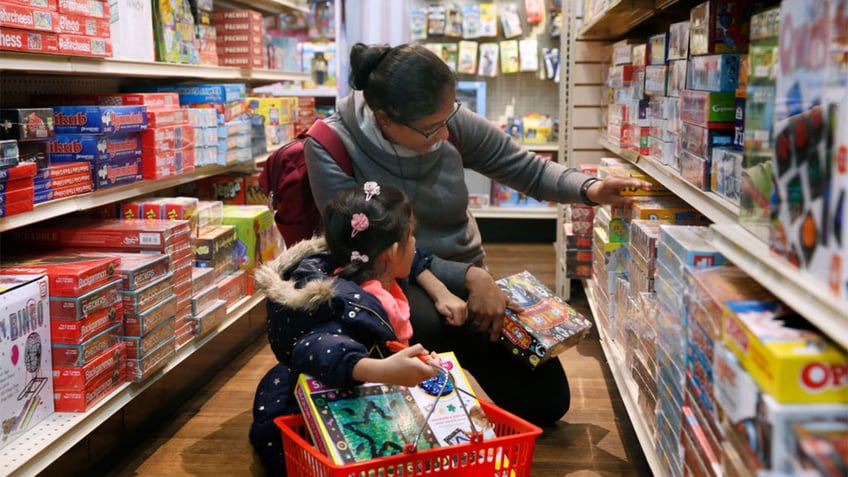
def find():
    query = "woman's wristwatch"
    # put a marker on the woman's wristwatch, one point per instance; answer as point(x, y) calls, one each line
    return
point(584, 189)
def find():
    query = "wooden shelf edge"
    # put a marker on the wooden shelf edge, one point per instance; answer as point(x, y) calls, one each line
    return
point(61, 431)
point(805, 294)
point(616, 20)
point(627, 390)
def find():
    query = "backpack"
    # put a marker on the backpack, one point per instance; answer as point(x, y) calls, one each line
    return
point(285, 181)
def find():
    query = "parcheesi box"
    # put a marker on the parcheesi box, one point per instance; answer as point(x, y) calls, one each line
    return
point(26, 388)
point(788, 361)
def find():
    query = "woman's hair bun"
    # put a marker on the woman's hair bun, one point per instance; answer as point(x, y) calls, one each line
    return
point(363, 60)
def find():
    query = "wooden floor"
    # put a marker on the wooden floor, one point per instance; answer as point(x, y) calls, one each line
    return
point(208, 434)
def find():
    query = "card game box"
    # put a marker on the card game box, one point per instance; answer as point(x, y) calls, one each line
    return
point(71, 273)
point(116, 172)
point(79, 354)
point(64, 308)
point(138, 325)
point(138, 347)
point(94, 148)
point(137, 234)
point(76, 332)
point(27, 18)
point(109, 363)
point(80, 400)
point(99, 119)
point(546, 327)
point(25, 355)
point(28, 41)
point(85, 26)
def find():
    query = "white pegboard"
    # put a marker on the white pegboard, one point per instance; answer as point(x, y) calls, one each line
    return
point(18, 87)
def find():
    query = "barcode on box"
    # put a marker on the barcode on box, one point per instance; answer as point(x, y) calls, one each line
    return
point(149, 239)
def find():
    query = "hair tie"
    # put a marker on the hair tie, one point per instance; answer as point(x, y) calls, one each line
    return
point(355, 256)
point(371, 189)
point(359, 223)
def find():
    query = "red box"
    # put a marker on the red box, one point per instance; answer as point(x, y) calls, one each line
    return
point(229, 189)
point(138, 325)
point(14, 208)
point(254, 61)
point(85, 26)
point(141, 300)
point(167, 138)
point(16, 184)
point(140, 269)
point(51, 5)
point(138, 347)
point(28, 18)
point(106, 233)
point(72, 190)
point(69, 169)
point(140, 369)
point(23, 170)
point(91, 8)
point(185, 333)
point(167, 117)
point(70, 400)
point(84, 46)
point(70, 181)
point(153, 101)
point(229, 50)
point(233, 287)
point(72, 355)
point(201, 278)
point(164, 164)
point(77, 332)
point(32, 42)
point(70, 273)
point(18, 195)
point(227, 16)
point(78, 308)
point(109, 363)
point(239, 38)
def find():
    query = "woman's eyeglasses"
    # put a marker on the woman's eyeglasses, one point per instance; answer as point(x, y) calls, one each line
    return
point(434, 131)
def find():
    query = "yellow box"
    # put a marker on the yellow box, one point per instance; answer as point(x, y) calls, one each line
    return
point(256, 234)
point(792, 365)
point(656, 189)
point(270, 108)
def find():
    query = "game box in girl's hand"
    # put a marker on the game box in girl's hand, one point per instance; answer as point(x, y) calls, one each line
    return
point(547, 325)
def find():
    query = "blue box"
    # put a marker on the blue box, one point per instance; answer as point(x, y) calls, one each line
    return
point(94, 148)
point(201, 93)
point(717, 73)
point(116, 172)
point(99, 119)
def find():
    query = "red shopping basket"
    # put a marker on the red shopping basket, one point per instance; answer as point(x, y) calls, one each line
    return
point(510, 454)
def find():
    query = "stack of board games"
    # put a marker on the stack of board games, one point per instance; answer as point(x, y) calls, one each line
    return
point(26, 390)
point(547, 325)
point(86, 326)
point(376, 420)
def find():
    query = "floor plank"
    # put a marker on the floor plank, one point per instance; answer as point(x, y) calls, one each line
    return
point(207, 436)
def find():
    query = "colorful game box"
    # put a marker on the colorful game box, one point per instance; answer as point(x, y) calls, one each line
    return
point(546, 327)
point(138, 325)
point(99, 119)
point(109, 363)
point(377, 420)
point(26, 390)
point(71, 273)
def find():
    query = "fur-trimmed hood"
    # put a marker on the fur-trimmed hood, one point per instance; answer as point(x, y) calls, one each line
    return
point(280, 280)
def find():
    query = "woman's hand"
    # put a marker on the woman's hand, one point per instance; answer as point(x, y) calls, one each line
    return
point(404, 368)
point(453, 308)
point(486, 302)
point(608, 191)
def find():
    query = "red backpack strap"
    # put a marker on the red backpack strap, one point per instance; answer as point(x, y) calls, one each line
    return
point(330, 140)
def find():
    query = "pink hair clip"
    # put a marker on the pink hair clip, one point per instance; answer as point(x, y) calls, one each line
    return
point(371, 189)
point(359, 223)
point(355, 256)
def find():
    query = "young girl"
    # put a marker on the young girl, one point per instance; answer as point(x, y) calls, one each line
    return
point(335, 302)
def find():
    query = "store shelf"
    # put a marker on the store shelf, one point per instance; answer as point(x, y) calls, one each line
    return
point(616, 20)
point(805, 294)
point(278, 89)
point(40, 446)
point(514, 212)
point(60, 207)
point(85, 66)
point(543, 147)
point(628, 390)
point(712, 205)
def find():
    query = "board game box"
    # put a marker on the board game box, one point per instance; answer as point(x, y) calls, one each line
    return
point(547, 326)
point(376, 420)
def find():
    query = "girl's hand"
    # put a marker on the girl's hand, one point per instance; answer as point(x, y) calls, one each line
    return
point(453, 308)
point(486, 302)
point(608, 191)
point(405, 367)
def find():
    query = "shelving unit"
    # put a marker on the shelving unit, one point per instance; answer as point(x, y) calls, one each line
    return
point(514, 212)
point(50, 439)
point(628, 390)
point(71, 437)
point(805, 294)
